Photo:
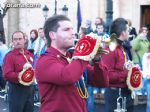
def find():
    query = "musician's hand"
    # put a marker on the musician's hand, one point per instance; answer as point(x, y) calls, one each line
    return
point(133, 95)
point(97, 57)
point(128, 65)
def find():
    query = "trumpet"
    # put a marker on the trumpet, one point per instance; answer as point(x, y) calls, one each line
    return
point(121, 100)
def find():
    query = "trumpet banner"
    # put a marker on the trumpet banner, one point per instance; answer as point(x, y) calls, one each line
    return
point(134, 79)
point(86, 48)
point(26, 77)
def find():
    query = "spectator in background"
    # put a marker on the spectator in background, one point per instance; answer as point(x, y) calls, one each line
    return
point(3, 51)
point(33, 40)
point(140, 46)
point(103, 36)
point(40, 42)
point(89, 28)
point(99, 20)
point(100, 31)
point(44, 47)
point(132, 30)
point(146, 75)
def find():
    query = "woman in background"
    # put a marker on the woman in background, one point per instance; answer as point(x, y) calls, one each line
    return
point(32, 41)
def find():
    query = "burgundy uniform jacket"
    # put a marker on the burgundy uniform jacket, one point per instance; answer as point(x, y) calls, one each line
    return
point(115, 62)
point(13, 64)
point(56, 81)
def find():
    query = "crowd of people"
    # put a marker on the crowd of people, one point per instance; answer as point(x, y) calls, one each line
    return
point(66, 79)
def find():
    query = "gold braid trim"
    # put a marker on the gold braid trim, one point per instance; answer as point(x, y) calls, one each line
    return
point(124, 53)
point(82, 95)
point(80, 90)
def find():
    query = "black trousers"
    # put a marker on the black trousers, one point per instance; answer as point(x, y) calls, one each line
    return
point(20, 98)
point(2, 81)
point(111, 95)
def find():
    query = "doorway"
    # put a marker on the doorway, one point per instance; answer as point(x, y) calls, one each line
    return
point(145, 17)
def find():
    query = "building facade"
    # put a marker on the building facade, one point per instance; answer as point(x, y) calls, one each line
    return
point(28, 15)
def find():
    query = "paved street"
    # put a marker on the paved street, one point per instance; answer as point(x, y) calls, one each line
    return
point(98, 106)
point(4, 104)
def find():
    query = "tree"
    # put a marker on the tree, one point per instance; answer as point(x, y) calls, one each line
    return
point(2, 15)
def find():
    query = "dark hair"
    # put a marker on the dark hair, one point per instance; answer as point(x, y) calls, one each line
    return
point(36, 35)
point(100, 24)
point(40, 29)
point(51, 24)
point(18, 32)
point(118, 26)
point(144, 27)
point(101, 19)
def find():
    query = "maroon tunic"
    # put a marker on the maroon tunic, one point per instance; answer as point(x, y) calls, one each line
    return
point(13, 64)
point(115, 62)
point(56, 81)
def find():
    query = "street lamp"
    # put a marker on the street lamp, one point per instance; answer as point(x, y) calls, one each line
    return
point(109, 14)
point(65, 10)
point(45, 11)
point(3, 11)
point(55, 7)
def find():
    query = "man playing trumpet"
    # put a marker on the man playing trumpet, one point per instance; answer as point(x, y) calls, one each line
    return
point(122, 75)
point(58, 73)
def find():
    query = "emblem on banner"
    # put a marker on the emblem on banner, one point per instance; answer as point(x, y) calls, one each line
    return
point(134, 79)
point(87, 47)
point(26, 76)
